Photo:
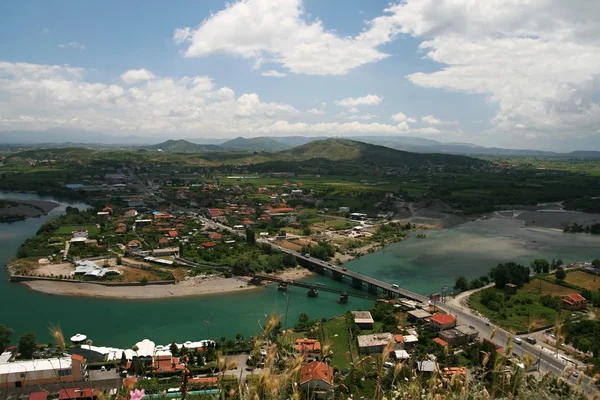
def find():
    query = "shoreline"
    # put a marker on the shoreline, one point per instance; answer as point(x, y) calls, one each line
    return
point(186, 288)
point(26, 208)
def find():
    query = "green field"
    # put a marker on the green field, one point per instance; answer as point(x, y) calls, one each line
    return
point(335, 332)
point(522, 311)
point(68, 229)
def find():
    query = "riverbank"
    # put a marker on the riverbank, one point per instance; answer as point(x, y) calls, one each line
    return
point(194, 286)
point(15, 209)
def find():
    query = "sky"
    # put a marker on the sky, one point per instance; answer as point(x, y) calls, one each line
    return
point(507, 73)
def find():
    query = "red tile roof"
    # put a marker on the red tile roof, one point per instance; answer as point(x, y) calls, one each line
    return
point(215, 236)
point(77, 357)
point(442, 319)
point(208, 244)
point(441, 342)
point(399, 338)
point(316, 370)
point(574, 298)
point(38, 396)
point(173, 234)
point(206, 379)
point(303, 345)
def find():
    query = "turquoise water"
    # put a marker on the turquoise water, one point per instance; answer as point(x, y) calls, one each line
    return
point(125, 322)
point(422, 265)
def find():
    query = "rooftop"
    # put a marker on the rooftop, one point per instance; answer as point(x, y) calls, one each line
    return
point(51, 364)
point(376, 339)
point(442, 319)
point(316, 370)
point(419, 314)
point(362, 317)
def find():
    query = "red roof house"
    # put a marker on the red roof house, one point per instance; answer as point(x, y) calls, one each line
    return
point(574, 302)
point(173, 234)
point(317, 378)
point(442, 321)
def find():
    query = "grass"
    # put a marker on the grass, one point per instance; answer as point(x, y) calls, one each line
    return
point(522, 311)
point(583, 280)
point(68, 229)
point(336, 332)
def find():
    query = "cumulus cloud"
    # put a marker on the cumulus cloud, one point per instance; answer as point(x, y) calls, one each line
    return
point(316, 111)
point(353, 102)
point(363, 117)
point(538, 61)
point(281, 32)
point(401, 117)
point(275, 74)
point(73, 45)
point(431, 120)
point(137, 75)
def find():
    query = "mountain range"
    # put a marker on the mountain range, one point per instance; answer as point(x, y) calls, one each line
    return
point(59, 137)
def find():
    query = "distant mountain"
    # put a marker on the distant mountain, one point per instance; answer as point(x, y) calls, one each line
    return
point(183, 146)
point(255, 144)
point(584, 154)
point(79, 136)
point(352, 150)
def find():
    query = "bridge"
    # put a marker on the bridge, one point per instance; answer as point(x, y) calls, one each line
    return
point(306, 285)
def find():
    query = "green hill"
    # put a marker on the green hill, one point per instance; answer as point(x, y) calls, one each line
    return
point(183, 146)
point(255, 144)
point(341, 150)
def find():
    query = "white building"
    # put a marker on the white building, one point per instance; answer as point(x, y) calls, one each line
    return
point(88, 268)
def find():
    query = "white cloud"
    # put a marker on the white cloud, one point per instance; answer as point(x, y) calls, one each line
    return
point(34, 96)
point(427, 131)
point(137, 75)
point(401, 117)
point(280, 32)
point(538, 61)
point(353, 102)
point(274, 73)
point(364, 117)
point(431, 120)
point(73, 45)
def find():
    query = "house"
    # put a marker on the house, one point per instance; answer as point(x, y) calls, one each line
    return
point(374, 343)
point(215, 236)
point(418, 315)
point(103, 214)
point(441, 342)
point(134, 245)
point(400, 355)
point(574, 302)
point(131, 214)
point(38, 395)
point(344, 210)
point(163, 242)
point(121, 228)
point(135, 202)
point(510, 288)
point(309, 348)
point(173, 234)
point(470, 333)
point(89, 269)
point(398, 342)
point(41, 372)
point(208, 245)
point(107, 209)
point(441, 322)
point(363, 319)
point(78, 394)
point(316, 378)
point(427, 366)
point(79, 236)
point(142, 222)
point(167, 251)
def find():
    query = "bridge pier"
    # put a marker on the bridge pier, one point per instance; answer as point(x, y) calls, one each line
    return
point(319, 269)
point(337, 276)
point(357, 283)
point(372, 288)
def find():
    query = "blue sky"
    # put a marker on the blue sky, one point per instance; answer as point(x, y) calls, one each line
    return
point(516, 75)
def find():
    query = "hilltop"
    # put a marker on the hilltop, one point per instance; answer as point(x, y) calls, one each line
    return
point(255, 144)
point(183, 146)
point(351, 150)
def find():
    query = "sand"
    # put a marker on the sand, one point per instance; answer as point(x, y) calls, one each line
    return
point(195, 286)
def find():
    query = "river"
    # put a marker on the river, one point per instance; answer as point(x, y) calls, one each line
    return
point(422, 265)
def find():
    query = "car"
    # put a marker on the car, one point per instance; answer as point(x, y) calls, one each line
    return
point(518, 340)
point(531, 340)
point(471, 327)
point(575, 374)
point(344, 269)
point(487, 323)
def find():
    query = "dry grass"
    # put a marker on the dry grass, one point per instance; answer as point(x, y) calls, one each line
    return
point(135, 275)
point(546, 288)
point(583, 280)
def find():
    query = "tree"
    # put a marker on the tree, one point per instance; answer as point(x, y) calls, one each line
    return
point(303, 321)
point(5, 334)
point(510, 272)
point(540, 265)
point(119, 260)
point(250, 237)
point(560, 274)
point(27, 345)
point(596, 263)
point(174, 349)
point(461, 284)
point(181, 250)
